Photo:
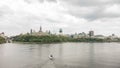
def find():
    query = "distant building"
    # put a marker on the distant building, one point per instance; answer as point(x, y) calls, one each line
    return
point(31, 31)
point(2, 34)
point(99, 36)
point(60, 31)
point(79, 35)
point(39, 33)
point(75, 35)
point(82, 35)
point(113, 37)
point(91, 33)
point(40, 29)
point(49, 32)
point(113, 34)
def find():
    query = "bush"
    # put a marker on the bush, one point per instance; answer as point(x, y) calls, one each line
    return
point(41, 39)
point(2, 40)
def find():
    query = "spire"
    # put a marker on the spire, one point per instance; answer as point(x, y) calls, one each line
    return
point(40, 29)
point(60, 30)
point(49, 32)
point(31, 31)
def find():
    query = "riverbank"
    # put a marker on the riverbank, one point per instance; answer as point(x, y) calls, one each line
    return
point(2, 40)
point(55, 39)
point(41, 39)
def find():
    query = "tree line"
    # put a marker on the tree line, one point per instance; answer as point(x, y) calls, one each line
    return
point(53, 39)
point(2, 40)
point(41, 39)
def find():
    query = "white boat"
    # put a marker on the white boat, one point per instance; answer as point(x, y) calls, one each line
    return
point(51, 57)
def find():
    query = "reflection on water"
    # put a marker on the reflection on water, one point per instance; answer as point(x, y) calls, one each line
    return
point(66, 55)
point(91, 55)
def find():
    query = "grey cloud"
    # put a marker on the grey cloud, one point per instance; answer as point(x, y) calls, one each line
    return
point(4, 10)
point(91, 2)
point(83, 2)
point(28, 1)
point(97, 14)
point(97, 8)
point(31, 1)
point(75, 10)
point(51, 20)
point(40, 1)
point(52, 0)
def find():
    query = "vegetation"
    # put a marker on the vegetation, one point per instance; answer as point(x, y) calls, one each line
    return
point(88, 40)
point(40, 39)
point(2, 40)
point(53, 39)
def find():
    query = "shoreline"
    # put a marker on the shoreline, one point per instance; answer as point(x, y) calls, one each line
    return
point(58, 42)
point(57, 39)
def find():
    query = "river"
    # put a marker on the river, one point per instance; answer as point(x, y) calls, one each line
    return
point(66, 55)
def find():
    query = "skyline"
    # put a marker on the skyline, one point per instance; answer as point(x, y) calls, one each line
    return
point(101, 16)
point(59, 31)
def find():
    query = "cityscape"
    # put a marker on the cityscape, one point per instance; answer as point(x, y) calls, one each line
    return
point(59, 33)
point(90, 34)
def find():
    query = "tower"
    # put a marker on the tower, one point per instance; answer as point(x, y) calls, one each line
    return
point(60, 31)
point(40, 29)
point(91, 33)
point(31, 31)
point(49, 32)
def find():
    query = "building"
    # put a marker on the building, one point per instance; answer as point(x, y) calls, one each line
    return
point(91, 33)
point(113, 37)
point(79, 35)
point(60, 31)
point(83, 35)
point(31, 31)
point(40, 30)
point(99, 36)
point(75, 35)
point(2, 34)
point(39, 33)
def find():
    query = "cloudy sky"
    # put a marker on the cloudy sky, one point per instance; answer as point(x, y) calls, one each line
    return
point(19, 16)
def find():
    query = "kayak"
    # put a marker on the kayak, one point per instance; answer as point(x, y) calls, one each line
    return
point(50, 57)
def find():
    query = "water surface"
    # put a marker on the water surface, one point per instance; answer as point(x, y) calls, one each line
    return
point(66, 55)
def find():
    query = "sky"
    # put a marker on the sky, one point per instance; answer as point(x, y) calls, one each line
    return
point(19, 16)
